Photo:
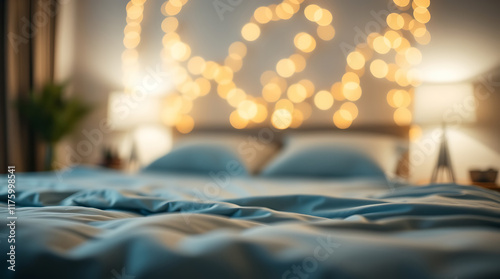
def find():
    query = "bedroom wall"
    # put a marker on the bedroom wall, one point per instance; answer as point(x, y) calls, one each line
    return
point(100, 34)
point(464, 45)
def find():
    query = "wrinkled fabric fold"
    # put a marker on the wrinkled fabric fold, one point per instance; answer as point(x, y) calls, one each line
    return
point(69, 231)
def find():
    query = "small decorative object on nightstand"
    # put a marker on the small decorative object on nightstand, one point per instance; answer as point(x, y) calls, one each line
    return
point(111, 159)
point(485, 179)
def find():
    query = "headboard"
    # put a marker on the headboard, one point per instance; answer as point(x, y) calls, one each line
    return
point(401, 132)
point(276, 136)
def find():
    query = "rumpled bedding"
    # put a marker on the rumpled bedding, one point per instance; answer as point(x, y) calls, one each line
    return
point(95, 223)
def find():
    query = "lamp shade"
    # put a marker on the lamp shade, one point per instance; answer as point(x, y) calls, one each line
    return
point(126, 111)
point(449, 103)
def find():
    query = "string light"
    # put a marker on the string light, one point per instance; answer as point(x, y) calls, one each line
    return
point(323, 100)
point(131, 40)
point(291, 108)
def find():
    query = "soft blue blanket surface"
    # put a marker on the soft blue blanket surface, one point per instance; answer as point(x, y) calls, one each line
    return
point(93, 223)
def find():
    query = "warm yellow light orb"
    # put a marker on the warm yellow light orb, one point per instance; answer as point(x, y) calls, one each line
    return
point(309, 86)
point(247, 109)
point(223, 75)
point(394, 38)
point(323, 100)
point(266, 77)
point(169, 24)
point(352, 91)
point(297, 119)
point(238, 49)
point(402, 117)
point(312, 12)
point(351, 108)
point(196, 65)
point(134, 11)
point(210, 69)
point(169, 39)
point(284, 104)
point(415, 132)
point(223, 89)
point(356, 60)
point(138, 2)
point(326, 33)
point(285, 68)
point(263, 15)
point(381, 45)
point(337, 91)
point(237, 121)
point(424, 38)
point(413, 56)
point(284, 11)
point(281, 119)
point(395, 21)
point(204, 85)
point(234, 63)
point(402, 3)
point(325, 18)
point(171, 9)
point(342, 119)
point(180, 51)
point(422, 15)
point(422, 3)
point(271, 92)
point(304, 42)
point(131, 40)
point(402, 98)
point(379, 68)
point(132, 27)
point(402, 78)
point(297, 93)
point(185, 124)
point(250, 32)
point(235, 97)
point(350, 77)
point(261, 114)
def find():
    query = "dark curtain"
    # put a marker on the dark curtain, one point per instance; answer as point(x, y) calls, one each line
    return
point(28, 54)
point(3, 87)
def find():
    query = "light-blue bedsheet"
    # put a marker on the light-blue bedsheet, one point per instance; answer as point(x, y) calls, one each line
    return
point(93, 223)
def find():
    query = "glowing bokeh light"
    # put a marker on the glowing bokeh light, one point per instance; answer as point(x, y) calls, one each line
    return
point(250, 32)
point(323, 100)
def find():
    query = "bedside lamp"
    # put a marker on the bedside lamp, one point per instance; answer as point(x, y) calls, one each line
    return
point(140, 120)
point(444, 105)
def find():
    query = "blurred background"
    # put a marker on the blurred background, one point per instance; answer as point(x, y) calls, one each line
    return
point(84, 46)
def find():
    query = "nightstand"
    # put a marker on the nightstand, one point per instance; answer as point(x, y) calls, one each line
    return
point(488, 185)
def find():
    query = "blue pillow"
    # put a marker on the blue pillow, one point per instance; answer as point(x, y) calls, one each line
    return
point(323, 162)
point(201, 159)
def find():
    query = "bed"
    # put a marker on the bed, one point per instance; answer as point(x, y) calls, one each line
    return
point(98, 223)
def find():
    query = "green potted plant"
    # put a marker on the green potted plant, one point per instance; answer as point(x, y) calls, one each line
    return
point(51, 116)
